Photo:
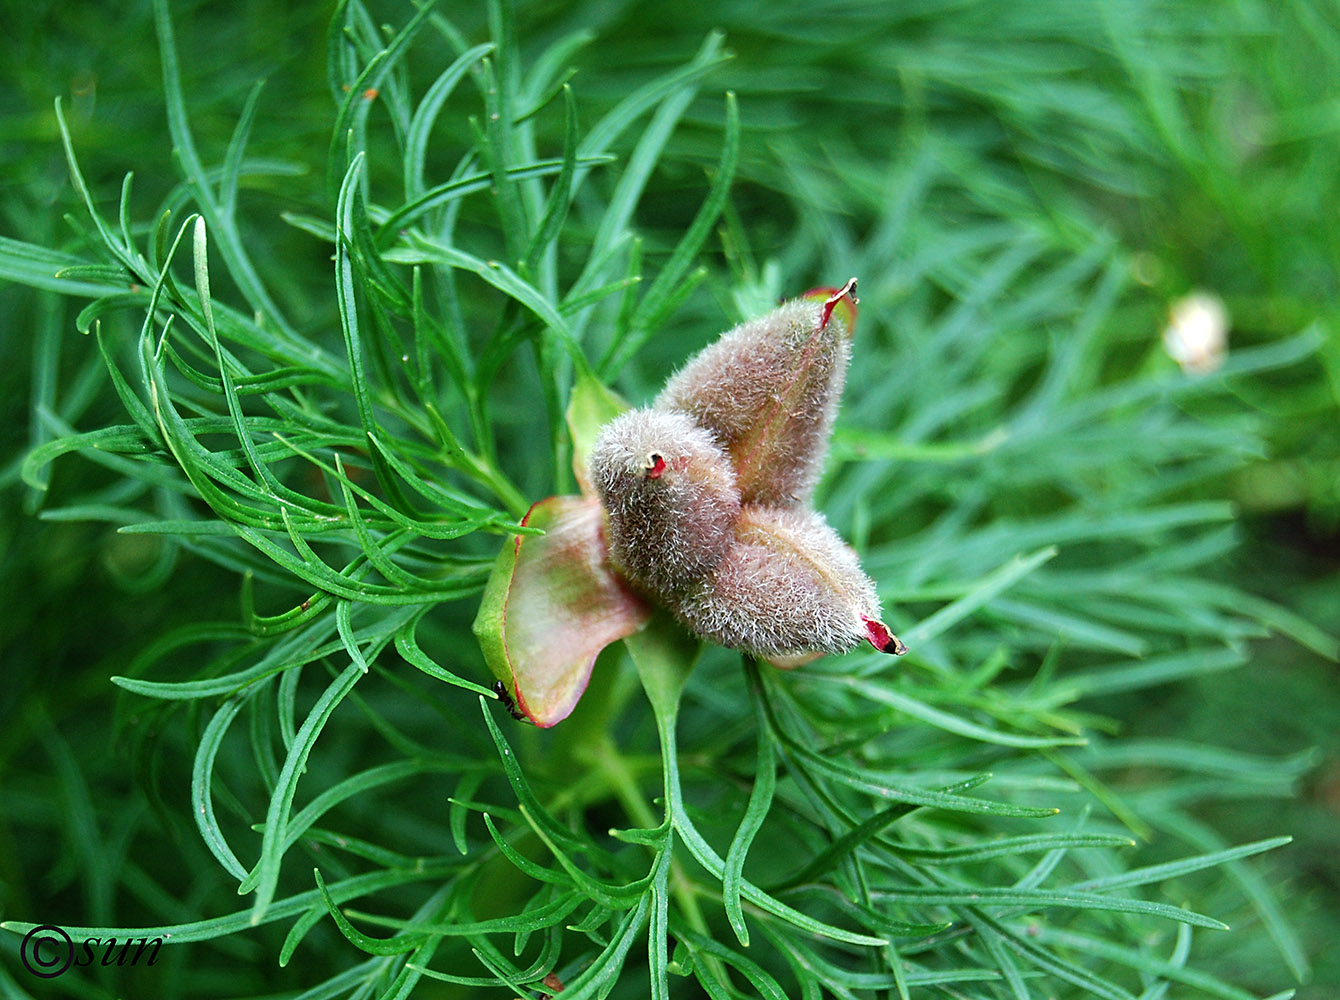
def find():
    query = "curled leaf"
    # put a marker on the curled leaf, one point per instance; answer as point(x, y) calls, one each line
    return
point(551, 605)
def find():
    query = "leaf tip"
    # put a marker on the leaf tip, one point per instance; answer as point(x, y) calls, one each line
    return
point(879, 636)
point(841, 301)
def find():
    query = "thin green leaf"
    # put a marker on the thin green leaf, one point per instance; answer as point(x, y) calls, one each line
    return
point(1202, 983)
point(233, 923)
point(712, 861)
point(600, 976)
point(982, 592)
point(266, 873)
point(760, 801)
point(888, 695)
point(407, 645)
point(560, 195)
point(397, 944)
point(1176, 869)
point(425, 116)
point(881, 786)
point(660, 297)
point(202, 773)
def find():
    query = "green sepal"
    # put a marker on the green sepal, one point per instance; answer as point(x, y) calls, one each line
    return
point(551, 605)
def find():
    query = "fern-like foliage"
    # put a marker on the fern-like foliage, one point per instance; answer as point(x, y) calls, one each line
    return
point(1018, 468)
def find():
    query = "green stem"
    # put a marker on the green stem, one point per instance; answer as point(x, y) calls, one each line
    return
point(682, 886)
point(488, 474)
point(623, 783)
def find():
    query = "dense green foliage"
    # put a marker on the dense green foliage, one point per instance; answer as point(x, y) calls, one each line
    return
point(313, 360)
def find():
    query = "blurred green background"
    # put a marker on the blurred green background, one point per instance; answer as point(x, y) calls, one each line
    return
point(1201, 138)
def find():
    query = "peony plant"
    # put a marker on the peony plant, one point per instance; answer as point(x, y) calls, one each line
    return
point(700, 504)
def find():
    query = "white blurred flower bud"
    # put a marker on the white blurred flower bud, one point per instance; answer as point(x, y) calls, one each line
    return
point(1197, 333)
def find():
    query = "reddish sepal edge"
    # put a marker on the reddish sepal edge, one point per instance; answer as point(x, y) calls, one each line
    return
point(847, 290)
point(879, 636)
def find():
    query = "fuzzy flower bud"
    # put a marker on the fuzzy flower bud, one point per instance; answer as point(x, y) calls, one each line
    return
point(751, 568)
point(789, 589)
point(700, 504)
point(769, 389)
point(671, 498)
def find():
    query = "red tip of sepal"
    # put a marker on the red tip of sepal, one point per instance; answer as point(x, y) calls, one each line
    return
point(840, 300)
point(879, 636)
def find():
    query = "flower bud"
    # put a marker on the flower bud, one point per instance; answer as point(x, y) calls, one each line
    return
point(1197, 333)
point(788, 589)
point(701, 504)
point(670, 495)
point(768, 390)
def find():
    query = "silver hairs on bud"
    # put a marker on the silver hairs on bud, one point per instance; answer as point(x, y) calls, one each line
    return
point(671, 498)
point(706, 493)
point(769, 390)
point(788, 585)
